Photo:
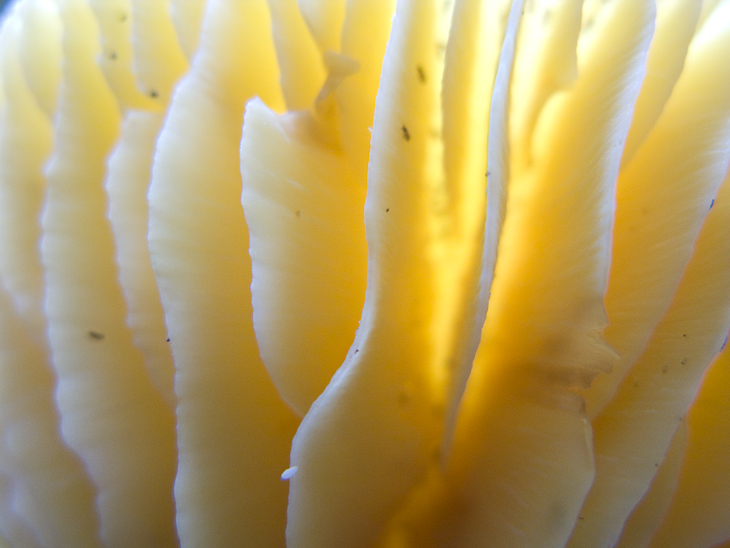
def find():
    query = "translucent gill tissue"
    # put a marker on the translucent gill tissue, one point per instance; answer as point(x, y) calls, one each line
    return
point(365, 274)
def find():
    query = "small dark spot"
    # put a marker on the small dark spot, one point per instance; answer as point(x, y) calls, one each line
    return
point(405, 394)
point(299, 213)
point(580, 517)
point(387, 209)
point(656, 465)
point(168, 339)
point(683, 361)
point(665, 369)
point(96, 335)
point(154, 94)
point(113, 55)
point(488, 174)
point(712, 203)
point(636, 384)
point(356, 351)
point(406, 135)
point(684, 334)
point(421, 74)
point(122, 17)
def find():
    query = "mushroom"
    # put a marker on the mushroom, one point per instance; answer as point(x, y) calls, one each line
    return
point(375, 273)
